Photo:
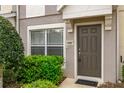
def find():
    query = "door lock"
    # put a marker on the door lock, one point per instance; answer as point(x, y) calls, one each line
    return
point(121, 59)
point(79, 51)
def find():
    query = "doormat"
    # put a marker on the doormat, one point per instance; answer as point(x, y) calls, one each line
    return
point(86, 82)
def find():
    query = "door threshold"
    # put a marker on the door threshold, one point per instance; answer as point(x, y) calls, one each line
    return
point(95, 79)
point(87, 82)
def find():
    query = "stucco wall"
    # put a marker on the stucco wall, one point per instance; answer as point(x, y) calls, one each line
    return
point(50, 9)
point(12, 20)
point(25, 22)
point(70, 67)
point(109, 41)
point(109, 50)
point(22, 11)
point(121, 36)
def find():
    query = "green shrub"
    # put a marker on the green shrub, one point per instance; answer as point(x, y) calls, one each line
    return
point(8, 76)
point(11, 46)
point(41, 67)
point(123, 72)
point(40, 84)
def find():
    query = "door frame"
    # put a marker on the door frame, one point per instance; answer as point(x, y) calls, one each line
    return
point(102, 51)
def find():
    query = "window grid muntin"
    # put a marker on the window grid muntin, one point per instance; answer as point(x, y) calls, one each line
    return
point(46, 41)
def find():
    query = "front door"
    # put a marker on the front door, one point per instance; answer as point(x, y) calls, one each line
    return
point(89, 50)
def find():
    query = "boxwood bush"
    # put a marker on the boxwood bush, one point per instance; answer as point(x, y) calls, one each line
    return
point(123, 72)
point(11, 46)
point(40, 84)
point(11, 50)
point(41, 67)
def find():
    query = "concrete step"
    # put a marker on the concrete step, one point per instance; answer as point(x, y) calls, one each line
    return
point(70, 83)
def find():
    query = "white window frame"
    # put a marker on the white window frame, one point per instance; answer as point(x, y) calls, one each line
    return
point(47, 26)
point(46, 45)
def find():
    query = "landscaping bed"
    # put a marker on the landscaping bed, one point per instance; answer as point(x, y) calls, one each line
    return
point(11, 84)
point(35, 71)
point(19, 70)
point(111, 85)
point(114, 85)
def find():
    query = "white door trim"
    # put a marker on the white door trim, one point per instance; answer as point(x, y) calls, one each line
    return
point(102, 51)
point(118, 51)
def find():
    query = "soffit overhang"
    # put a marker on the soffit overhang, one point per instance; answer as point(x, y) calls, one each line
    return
point(81, 11)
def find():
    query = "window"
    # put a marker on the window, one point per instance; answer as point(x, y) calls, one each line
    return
point(47, 41)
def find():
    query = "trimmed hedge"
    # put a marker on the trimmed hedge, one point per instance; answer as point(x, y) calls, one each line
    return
point(40, 84)
point(41, 67)
point(11, 46)
point(8, 76)
point(123, 72)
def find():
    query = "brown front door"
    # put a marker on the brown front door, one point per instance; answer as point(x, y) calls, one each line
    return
point(89, 50)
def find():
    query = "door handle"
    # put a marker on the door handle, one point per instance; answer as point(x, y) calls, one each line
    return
point(79, 52)
point(79, 59)
point(121, 59)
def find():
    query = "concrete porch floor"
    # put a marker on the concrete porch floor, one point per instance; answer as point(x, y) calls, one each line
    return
point(70, 83)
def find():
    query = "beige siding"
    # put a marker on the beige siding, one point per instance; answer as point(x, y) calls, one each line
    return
point(121, 34)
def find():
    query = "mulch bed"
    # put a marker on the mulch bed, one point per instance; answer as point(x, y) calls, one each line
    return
point(62, 80)
point(11, 84)
point(111, 85)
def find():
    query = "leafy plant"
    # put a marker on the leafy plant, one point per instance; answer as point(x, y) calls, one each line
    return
point(41, 67)
point(11, 46)
point(123, 72)
point(40, 84)
point(9, 76)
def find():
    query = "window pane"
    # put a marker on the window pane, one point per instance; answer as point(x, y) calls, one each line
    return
point(36, 50)
point(37, 37)
point(55, 36)
point(55, 51)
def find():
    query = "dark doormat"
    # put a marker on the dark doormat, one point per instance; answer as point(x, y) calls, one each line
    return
point(86, 82)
